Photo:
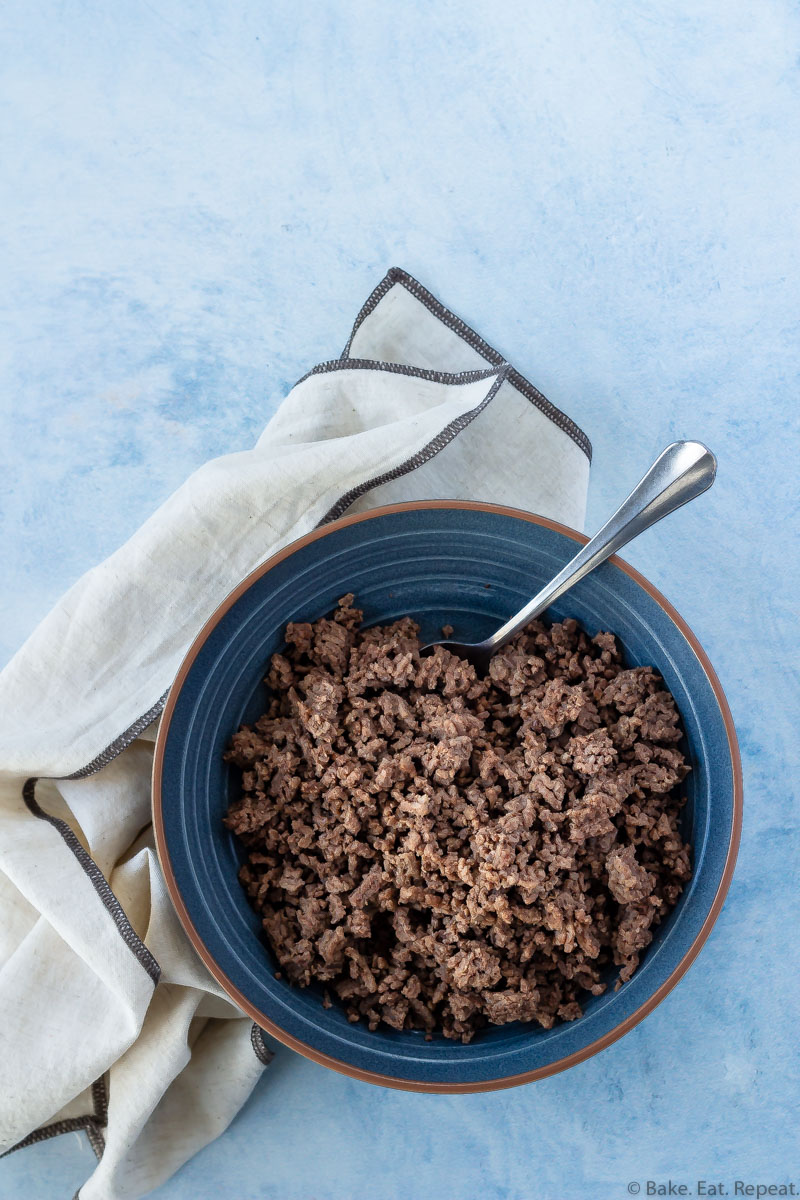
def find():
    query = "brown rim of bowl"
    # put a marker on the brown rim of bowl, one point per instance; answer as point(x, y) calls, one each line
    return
point(373, 1076)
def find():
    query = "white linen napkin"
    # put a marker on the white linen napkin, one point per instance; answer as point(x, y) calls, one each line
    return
point(110, 1022)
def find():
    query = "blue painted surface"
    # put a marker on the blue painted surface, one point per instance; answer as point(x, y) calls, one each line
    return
point(197, 198)
point(447, 558)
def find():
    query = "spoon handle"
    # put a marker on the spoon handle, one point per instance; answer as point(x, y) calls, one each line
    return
point(680, 473)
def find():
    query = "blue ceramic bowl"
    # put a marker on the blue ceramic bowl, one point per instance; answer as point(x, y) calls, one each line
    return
point(469, 565)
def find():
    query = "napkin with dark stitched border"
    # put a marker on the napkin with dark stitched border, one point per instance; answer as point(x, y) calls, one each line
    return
point(111, 1023)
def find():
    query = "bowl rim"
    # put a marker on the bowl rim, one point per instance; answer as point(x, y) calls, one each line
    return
point(375, 1077)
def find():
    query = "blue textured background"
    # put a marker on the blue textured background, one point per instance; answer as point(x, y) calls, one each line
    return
point(196, 199)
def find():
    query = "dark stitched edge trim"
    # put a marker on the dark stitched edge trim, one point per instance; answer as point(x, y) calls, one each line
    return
point(71, 1125)
point(393, 275)
point(99, 882)
point(96, 1140)
point(474, 339)
point(92, 1123)
point(422, 456)
point(122, 742)
point(559, 418)
point(262, 1051)
point(372, 364)
point(100, 1100)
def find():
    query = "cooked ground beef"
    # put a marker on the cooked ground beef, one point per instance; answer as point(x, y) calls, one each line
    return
point(443, 851)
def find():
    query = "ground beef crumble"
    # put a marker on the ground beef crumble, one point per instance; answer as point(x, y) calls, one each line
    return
point(443, 851)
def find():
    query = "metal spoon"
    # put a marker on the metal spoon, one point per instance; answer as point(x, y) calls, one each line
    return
point(680, 473)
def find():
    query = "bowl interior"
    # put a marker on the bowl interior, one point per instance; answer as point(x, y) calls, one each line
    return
point(471, 568)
